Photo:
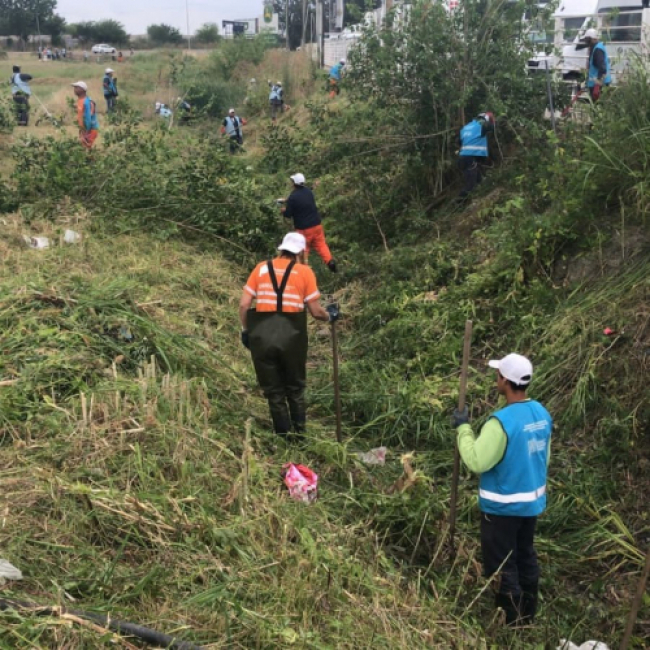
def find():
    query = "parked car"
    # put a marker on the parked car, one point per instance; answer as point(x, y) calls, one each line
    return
point(102, 48)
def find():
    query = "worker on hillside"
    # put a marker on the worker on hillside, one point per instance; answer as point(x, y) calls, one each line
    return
point(275, 99)
point(21, 93)
point(511, 454)
point(185, 109)
point(86, 115)
point(232, 127)
point(598, 67)
point(276, 330)
point(474, 150)
point(301, 207)
point(336, 72)
point(110, 89)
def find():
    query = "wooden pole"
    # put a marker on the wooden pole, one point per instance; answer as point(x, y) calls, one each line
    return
point(337, 388)
point(461, 405)
point(636, 603)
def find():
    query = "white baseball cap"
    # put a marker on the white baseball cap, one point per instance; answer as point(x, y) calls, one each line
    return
point(514, 367)
point(278, 83)
point(108, 70)
point(80, 84)
point(298, 179)
point(342, 61)
point(293, 242)
point(590, 33)
point(232, 110)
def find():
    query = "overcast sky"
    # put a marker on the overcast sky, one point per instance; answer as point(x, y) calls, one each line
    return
point(135, 15)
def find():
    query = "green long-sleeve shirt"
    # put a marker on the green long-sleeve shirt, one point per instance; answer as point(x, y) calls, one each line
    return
point(483, 453)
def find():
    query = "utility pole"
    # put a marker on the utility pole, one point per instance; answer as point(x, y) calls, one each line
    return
point(187, 15)
point(286, 22)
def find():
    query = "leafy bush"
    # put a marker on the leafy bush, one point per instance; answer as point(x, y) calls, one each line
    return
point(7, 114)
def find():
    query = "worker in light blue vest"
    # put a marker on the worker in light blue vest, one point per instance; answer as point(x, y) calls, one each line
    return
point(109, 84)
point(598, 67)
point(511, 455)
point(21, 93)
point(275, 99)
point(474, 150)
point(336, 72)
point(232, 127)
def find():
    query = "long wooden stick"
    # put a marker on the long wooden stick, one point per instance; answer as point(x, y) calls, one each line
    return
point(636, 603)
point(337, 388)
point(461, 405)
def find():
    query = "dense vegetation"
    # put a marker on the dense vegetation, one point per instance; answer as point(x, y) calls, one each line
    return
point(141, 477)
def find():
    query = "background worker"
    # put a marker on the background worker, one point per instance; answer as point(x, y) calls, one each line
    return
point(232, 127)
point(598, 67)
point(276, 330)
point(336, 72)
point(275, 99)
point(110, 89)
point(511, 455)
point(474, 150)
point(301, 207)
point(86, 115)
point(21, 92)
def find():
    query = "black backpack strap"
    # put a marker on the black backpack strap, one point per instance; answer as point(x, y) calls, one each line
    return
point(279, 290)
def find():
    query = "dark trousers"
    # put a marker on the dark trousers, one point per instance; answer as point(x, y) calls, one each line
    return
point(110, 103)
point(471, 169)
point(282, 375)
point(507, 544)
point(236, 141)
point(276, 107)
point(22, 108)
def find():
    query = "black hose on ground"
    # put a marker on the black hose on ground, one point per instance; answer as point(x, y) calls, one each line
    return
point(104, 620)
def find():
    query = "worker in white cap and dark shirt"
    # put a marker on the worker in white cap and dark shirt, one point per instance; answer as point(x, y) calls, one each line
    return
point(275, 331)
point(511, 455)
point(110, 89)
point(301, 207)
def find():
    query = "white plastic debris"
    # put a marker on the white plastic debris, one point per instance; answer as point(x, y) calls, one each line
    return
point(9, 572)
point(71, 237)
point(565, 644)
point(375, 456)
point(37, 242)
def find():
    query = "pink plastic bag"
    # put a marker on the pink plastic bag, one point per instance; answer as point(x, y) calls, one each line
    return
point(301, 481)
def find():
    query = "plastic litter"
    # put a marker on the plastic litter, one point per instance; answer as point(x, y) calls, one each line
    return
point(301, 482)
point(375, 456)
point(37, 242)
point(565, 644)
point(9, 572)
point(71, 237)
point(608, 331)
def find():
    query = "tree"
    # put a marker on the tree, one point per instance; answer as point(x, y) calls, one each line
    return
point(164, 34)
point(103, 31)
point(26, 17)
point(208, 33)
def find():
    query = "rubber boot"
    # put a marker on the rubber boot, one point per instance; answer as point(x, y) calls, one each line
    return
point(529, 598)
point(511, 605)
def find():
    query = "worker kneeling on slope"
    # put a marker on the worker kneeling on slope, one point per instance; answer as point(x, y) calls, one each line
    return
point(474, 150)
point(276, 330)
point(511, 454)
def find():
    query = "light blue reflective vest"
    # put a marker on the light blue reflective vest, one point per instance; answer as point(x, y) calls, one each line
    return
point(335, 71)
point(472, 143)
point(19, 86)
point(110, 90)
point(593, 70)
point(276, 93)
point(516, 486)
point(232, 125)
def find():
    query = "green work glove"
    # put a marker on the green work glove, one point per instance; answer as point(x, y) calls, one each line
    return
point(460, 417)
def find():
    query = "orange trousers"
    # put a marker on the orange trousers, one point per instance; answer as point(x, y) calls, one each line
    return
point(315, 237)
point(87, 138)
